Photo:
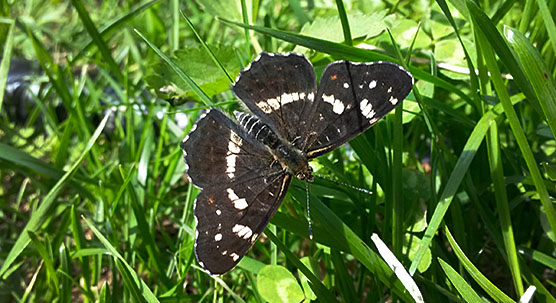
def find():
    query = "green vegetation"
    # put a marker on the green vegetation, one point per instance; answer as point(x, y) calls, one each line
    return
point(95, 205)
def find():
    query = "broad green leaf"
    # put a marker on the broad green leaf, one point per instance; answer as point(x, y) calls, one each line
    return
point(404, 31)
point(361, 25)
point(197, 63)
point(229, 9)
point(277, 285)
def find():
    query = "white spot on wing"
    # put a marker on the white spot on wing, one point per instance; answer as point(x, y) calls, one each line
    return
point(231, 194)
point(264, 107)
point(366, 108)
point(372, 84)
point(240, 204)
point(286, 98)
point(275, 104)
point(231, 165)
point(218, 212)
point(346, 85)
point(234, 256)
point(217, 237)
point(337, 105)
point(242, 231)
point(393, 100)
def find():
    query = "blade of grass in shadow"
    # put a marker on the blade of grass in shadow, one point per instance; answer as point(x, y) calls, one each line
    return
point(40, 215)
point(348, 53)
point(486, 285)
point(502, 205)
point(331, 231)
point(5, 64)
point(207, 48)
point(320, 290)
point(143, 231)
point(18, 157)
point(513, 120)
point(200, 93)
point(46, 256)
point(539, 256)
point(129, 276)
point(113, 25)
point(537, 72)
point(97, 38)
point(343, 279)
point(462, 165)
point(466, 291)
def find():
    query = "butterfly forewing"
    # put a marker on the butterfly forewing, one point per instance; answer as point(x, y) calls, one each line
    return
point(242, 186)
point(217, 151)
point(279, 89)
point(352, 97)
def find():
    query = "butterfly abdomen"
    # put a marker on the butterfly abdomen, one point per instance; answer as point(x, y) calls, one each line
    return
point(257, 129)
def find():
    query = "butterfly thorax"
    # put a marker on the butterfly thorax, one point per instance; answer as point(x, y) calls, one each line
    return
point(293, 160)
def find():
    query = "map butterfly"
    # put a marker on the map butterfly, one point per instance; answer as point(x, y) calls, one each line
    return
point(244, 168)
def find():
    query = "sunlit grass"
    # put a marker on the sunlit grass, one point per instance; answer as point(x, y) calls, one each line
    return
point(96, 206)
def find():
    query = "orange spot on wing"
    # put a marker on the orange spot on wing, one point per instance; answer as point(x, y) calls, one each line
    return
point(333, 77)
point(210, 200)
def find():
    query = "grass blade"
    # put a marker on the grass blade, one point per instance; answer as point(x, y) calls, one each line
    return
point(5, 64)
point(498, 83)
point(537, 72)
point(204, 98)
point(485, 284)
point(40, 215)
point(138, 287)
point(462, 165)
point(97, 38)
point(466, 291)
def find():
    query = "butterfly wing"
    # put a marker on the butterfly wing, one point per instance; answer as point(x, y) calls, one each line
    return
point(352, 97)
point(280, 90)
point(242, 187)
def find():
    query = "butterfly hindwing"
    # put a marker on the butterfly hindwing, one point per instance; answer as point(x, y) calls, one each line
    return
point(352, 97)
point(242, 186)
point(279, 89)
point(230, 219)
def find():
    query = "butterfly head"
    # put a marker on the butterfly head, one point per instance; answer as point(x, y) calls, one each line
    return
point(294, 161)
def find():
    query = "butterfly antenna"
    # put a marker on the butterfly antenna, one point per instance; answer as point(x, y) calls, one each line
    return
point(368, 192)
point(309, 211)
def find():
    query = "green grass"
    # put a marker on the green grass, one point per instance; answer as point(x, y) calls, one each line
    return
point(95, 205)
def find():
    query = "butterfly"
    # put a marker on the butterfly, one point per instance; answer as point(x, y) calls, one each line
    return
point(244, 167)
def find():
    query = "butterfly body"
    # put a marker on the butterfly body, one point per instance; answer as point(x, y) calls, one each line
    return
point(244, 168)
point(292, 159)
